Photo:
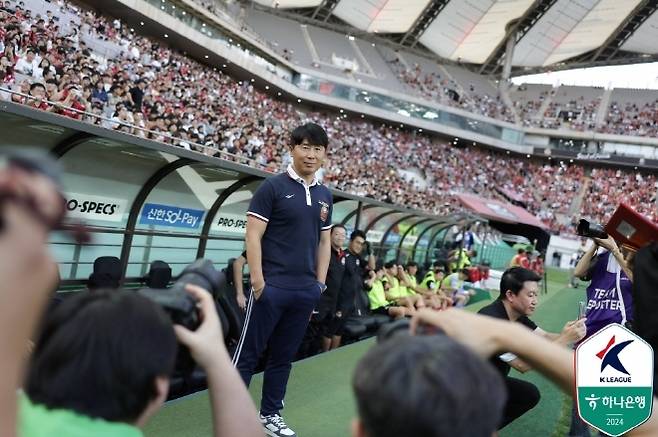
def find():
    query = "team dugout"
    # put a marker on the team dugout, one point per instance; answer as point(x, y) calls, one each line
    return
point(146, 201)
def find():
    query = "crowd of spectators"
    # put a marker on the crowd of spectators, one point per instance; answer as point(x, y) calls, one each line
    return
point(608, 186)
point(152, 91)
point(622, 117)
point(490, 106)
point(528, 108)
point(578, 113)
point(432, 86)
point(631, 118)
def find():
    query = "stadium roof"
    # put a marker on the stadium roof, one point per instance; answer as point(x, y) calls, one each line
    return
point(549, 34)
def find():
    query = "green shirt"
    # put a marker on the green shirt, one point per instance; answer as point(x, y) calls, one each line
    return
point(36, 420)
point(396, 291)
point(429, 281)
point(412, 281)
point(462, 261)
point(453, 281)
point(376, 296)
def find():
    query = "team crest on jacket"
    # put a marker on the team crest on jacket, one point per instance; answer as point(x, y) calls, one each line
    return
point(324, 210)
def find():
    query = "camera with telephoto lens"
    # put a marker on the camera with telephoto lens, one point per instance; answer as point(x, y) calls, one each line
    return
point(401, 327)
point(590, 230)
point(181, 306)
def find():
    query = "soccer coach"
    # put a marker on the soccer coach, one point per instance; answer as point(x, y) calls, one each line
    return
point(288, 251)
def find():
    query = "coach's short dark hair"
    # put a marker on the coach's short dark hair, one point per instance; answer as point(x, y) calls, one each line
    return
point(514, 278)
point(99, 354)
point(356, 234)
point(311, 132)
point(412, 264)
point(389, 265)
point(427, 386)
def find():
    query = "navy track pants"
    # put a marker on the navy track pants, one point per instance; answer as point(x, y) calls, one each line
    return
point(278, 321)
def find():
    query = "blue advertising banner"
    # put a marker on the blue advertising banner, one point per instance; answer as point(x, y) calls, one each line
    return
point(167, 215)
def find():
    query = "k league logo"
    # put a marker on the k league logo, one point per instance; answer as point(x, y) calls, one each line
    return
point(614, 380)
point(610, 357)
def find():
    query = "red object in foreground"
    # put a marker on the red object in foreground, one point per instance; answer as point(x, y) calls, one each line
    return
point(631, 228)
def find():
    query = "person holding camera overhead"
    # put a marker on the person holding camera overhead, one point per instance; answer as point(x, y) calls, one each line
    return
point(288, 251)
point(609, 294)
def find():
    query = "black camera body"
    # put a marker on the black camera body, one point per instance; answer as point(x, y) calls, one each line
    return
point(177, 303)
point(181, 306)
point(590, 230)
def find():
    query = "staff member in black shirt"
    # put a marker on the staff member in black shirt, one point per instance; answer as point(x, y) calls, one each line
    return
point(352, 283)
point(518, 300)
point(329, 299)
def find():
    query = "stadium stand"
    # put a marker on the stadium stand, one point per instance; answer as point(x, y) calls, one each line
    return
point(320, 49)
point(528, 100)
point(151, 91)
point(425, 78)
point(290, 43)
point(607, 186)
point(571, 107)
point(565, 107)
point(632, 112)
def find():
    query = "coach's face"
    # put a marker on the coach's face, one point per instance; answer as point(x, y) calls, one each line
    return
point(307, 158)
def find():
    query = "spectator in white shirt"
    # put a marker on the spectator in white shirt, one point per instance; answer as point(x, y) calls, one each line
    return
point(27, 64)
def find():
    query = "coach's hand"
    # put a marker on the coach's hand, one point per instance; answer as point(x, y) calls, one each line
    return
point(207, 342)
point(257, 287)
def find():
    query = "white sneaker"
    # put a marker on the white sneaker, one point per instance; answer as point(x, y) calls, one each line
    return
point(274, 426)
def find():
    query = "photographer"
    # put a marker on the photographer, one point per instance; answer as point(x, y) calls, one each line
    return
point(610, 275)
point(62, 391)
point(31, 206)
point(124, 396)
point(426, 386)
point(609, 296)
